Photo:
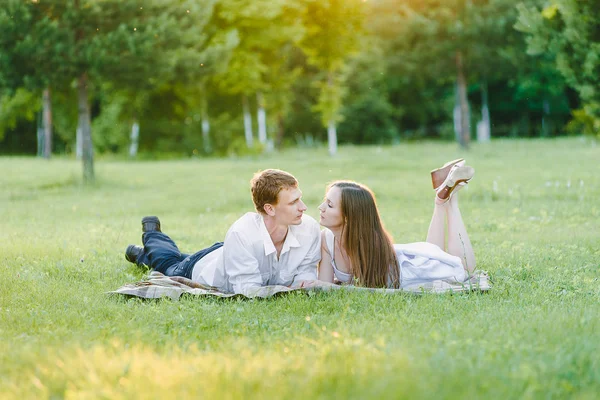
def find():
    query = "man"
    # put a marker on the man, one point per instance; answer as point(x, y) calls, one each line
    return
point(279, 245)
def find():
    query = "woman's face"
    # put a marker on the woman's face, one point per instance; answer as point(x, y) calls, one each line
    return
point(331, 209)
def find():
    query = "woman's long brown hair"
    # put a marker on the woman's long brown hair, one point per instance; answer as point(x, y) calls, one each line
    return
point(368, 245)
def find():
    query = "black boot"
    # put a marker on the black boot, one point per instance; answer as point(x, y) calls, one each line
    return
point(150, 224)
point(133, 252)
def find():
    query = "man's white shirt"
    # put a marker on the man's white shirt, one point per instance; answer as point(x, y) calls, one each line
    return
point(248, 258)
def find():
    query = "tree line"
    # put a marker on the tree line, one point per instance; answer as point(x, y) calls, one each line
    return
point(202, 77)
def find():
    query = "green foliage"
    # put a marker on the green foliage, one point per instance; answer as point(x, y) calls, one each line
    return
point(425, 34)
point(368, 116)
point(52, 42)
point(568, 31)
point(261, 32)
point(383, 69)
point(111, 129)
point(368, 120)
point(420, 40)
point(268, 32)
point(22, 104)
point(585, 121)
point(136, 46)
point(333, 32)
point(531, 213)
point(64, 120)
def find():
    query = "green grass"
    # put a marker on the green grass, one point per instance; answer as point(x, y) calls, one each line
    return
point(532, 212)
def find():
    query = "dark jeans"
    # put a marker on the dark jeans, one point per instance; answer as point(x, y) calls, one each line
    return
point(162, 254)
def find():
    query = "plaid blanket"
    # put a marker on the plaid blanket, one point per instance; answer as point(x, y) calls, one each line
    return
point(158, 285)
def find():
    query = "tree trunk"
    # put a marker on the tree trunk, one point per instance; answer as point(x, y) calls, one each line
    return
point(205, 121)
point(205, 124)
point(206, 134)
point(331, 130)
point(332, 138)
point(47, 123)
point(78, 144)
point(484, 126)
point(456, 115)
point(545, 115)
point(465, 131)
point(85, 127)
point(40, 134)
point(135, 138)
point(262, 119)
point(280, 132)
point(524, 126)
point(247, 122)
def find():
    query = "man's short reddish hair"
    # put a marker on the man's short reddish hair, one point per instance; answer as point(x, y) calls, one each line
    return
point(267, 184)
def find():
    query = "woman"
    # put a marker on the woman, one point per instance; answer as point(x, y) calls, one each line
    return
point(355, 247)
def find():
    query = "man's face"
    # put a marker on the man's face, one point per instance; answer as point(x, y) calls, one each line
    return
point(290, 207)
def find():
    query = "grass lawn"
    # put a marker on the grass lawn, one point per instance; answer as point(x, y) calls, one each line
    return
point(532, 213)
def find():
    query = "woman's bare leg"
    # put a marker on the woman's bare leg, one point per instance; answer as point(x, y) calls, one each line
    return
point(437, 227)
point(458, 240)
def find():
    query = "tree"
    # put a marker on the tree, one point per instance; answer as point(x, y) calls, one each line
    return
point(369, 116)
point(134, 117)
point(129, 44)
point(266, 29)
point(333, 32)
point(568, 31)
point(452, 42)
point(281, 73)
point(18, 104)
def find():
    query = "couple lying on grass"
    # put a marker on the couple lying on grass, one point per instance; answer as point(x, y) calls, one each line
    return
point(279, 245)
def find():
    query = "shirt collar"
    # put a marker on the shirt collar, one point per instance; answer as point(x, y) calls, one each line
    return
point(267, 241)
point(290, 239)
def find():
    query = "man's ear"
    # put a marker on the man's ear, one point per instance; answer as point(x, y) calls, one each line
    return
point(269, 209)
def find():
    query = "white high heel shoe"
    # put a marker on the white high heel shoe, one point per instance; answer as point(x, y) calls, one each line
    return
point(458, 176)
point(439, 175)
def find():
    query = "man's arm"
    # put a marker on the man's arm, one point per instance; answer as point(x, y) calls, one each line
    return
point(307, 270)
point(241, 266)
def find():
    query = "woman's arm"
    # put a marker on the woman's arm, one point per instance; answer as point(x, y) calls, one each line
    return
point(325, 267)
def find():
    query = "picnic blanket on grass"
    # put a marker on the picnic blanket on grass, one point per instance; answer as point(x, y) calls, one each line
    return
point(158, 285)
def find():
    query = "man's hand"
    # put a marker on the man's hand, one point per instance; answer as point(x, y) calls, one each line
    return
point(312, 284)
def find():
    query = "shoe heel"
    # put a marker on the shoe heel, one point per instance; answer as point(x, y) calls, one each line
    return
point(150, 224)
point(132, 253)
point(438, 175)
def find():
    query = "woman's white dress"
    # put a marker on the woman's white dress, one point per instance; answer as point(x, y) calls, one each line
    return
point(420, 263)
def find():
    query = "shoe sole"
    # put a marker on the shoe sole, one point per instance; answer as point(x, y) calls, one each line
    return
point(438, 175)
point(151, 220)
point(129, 257)
point(462, 174)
